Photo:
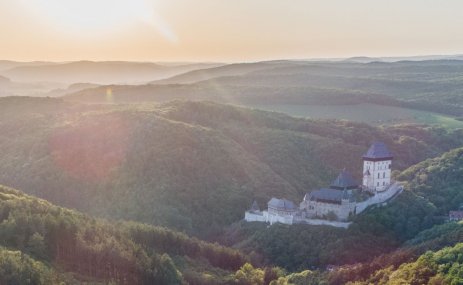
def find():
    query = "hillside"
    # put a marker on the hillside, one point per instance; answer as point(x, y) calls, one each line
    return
point(52, 245)
point(396, 233)
point(110, 72)
point(439, 179)
point(236, 69)
point(193, 166)
point(375, 92)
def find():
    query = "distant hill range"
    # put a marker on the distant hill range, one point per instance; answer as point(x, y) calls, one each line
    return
point(98, 72)
point(432, 85)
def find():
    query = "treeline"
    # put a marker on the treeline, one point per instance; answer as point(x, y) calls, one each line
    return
point(17, 268)
point(440, 180)
point(441, 267)
point(126, 253)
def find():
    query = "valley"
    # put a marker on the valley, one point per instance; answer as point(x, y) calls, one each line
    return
point(192, 152)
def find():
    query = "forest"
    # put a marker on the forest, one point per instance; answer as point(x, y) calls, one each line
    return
point(160, 164)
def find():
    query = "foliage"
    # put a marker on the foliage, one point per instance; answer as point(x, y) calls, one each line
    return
point(17, 268)
point(191, 166)
point(126, 253)
point(442, 267)
point(440, 180)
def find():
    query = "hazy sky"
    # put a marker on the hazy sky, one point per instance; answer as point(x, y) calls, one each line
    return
point(227, 30)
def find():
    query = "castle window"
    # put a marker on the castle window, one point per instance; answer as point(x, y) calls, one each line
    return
point(377, 184)
point(378, 175)
point(384, 174)
point(383, 183)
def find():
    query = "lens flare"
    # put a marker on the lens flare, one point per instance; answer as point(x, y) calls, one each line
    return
point(90, 17)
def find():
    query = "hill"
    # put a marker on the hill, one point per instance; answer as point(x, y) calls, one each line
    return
point(298, 87)
point(98, 72)
point(4, 80)
point(8, 64)
point(46, 244)
point(439, 179)
point(397, 233)
point(236, 69)
point(193, 166)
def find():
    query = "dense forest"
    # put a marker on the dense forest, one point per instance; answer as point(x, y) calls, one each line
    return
point(46, 244)
point(191, 166)
point(195, 167)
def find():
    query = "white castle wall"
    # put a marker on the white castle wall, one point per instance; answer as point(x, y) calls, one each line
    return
point(341, 210)
point(254, 217)
point(380, 197)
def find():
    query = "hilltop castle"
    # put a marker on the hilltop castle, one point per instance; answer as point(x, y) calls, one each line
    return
point(342, 199)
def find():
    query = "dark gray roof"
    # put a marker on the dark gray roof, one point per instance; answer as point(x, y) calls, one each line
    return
point(344, 180)
point(328, 195)
point(282, 204)
point(377, 150)
point(255, 206)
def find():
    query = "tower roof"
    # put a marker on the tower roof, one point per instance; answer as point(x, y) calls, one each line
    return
point(378, 151)
point(344, 181)
point(255, 206)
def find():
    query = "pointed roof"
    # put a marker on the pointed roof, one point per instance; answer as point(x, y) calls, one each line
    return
point(344, 181)
point(378, 150)
point(255, 207)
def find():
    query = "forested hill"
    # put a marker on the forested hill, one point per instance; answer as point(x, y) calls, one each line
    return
point(431, 85)
point(408, 241)
point(439, 179)
point(194, 166)
point(45, 244)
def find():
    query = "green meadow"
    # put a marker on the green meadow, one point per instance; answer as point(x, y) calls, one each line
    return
point(372, 114)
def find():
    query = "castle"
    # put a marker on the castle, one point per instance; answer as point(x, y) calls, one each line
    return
point(343, 198)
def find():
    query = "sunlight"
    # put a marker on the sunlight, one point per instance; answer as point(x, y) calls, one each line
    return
point(95, 17)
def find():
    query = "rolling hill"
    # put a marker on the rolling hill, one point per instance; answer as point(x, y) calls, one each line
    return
point(193, 166)
point(381, 240)
point(419, 91)
point(45, 244)
point(110, 72)
point(4, 80)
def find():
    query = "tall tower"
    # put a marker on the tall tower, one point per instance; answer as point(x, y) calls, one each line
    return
point(377, 167)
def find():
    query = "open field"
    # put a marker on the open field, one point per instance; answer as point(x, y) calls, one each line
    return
point(372, 114)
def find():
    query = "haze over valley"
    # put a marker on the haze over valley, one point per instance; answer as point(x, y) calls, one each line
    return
point(231, 142)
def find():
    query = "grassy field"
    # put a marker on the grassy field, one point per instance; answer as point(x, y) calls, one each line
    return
point(368, 113)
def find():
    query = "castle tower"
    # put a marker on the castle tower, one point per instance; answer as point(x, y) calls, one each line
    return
point(377, 167)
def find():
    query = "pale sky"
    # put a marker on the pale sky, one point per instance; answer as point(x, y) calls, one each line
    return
point(227, 30)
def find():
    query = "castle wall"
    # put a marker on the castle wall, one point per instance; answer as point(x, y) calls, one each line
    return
point(380, 197)
point(319, 209)
point(254, 217)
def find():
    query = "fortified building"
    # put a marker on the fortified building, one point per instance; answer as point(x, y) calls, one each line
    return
point(343, 198)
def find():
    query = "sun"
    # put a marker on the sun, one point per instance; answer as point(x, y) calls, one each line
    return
point(94, 16)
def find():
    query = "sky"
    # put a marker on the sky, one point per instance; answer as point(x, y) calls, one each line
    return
point(227, 30)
